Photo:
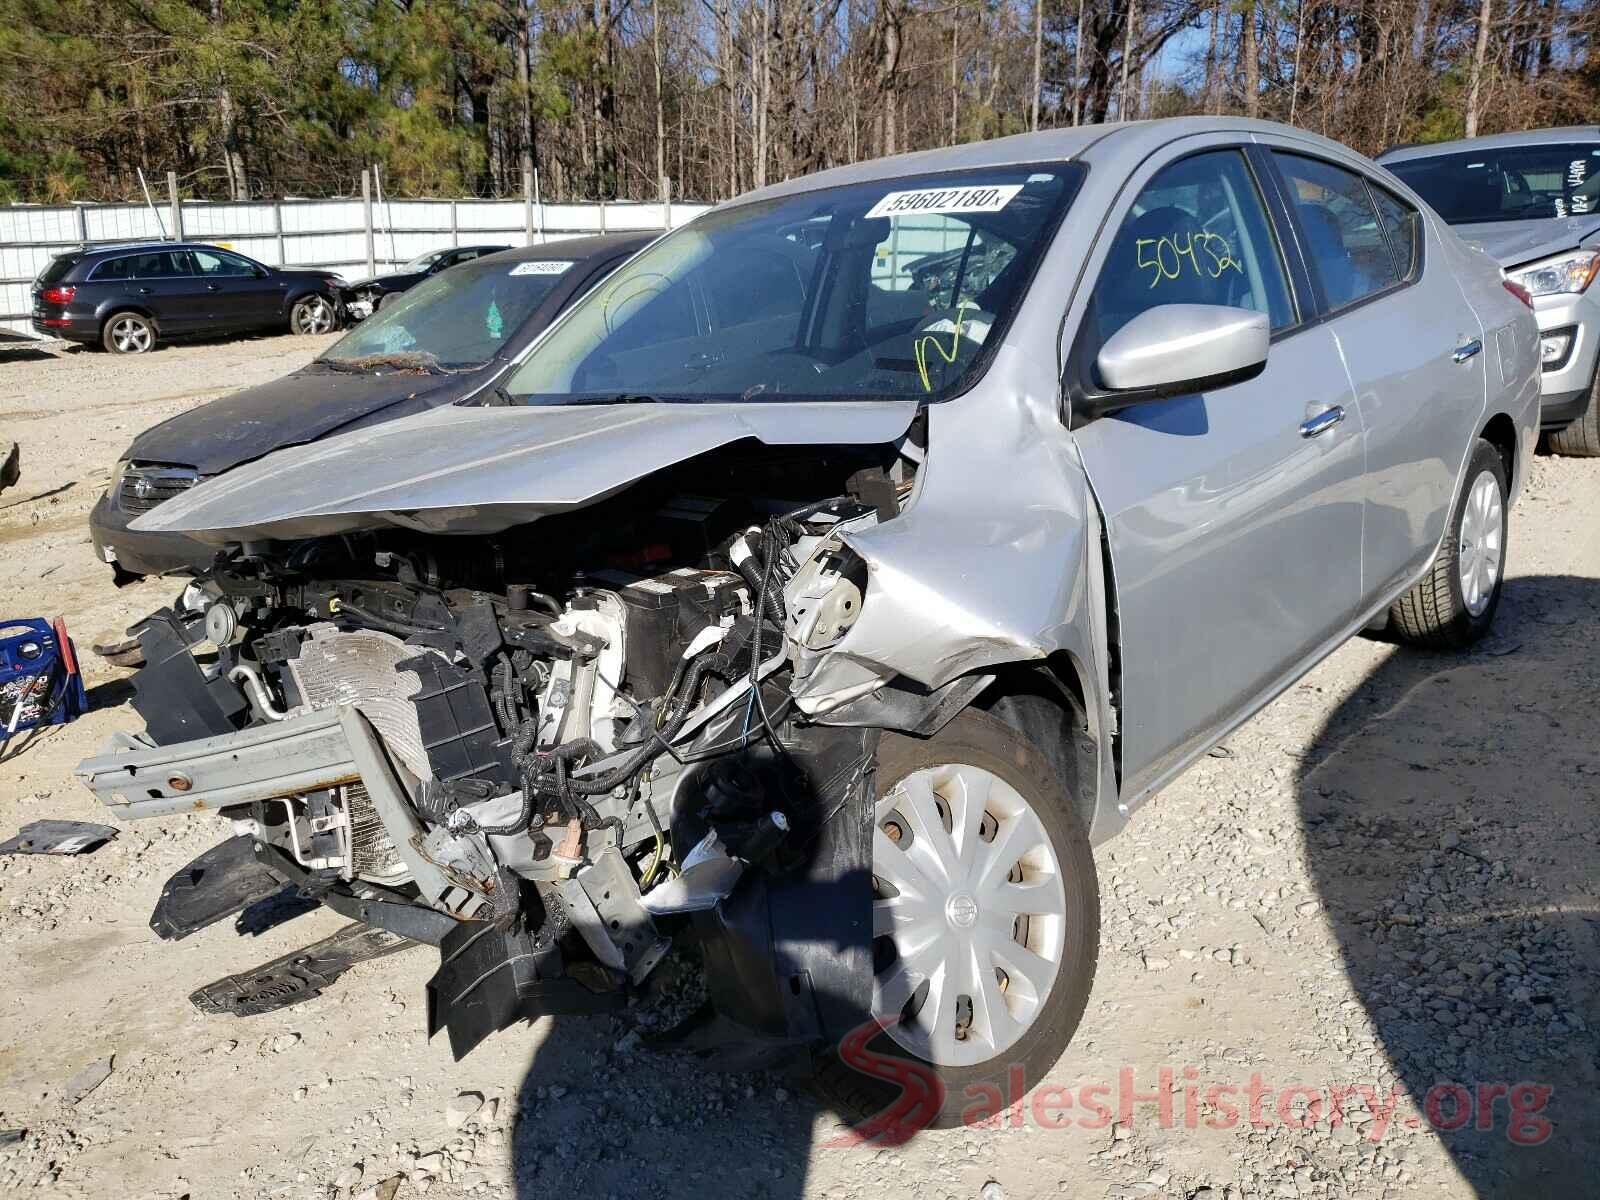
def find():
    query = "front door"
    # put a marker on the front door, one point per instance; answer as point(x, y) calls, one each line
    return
point(1233, 516)
point(243, 295)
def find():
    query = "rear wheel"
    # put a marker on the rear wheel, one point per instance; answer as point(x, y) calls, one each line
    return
point(1453, 605)
point(128, 333)
point(312, 314)
point(985, 918)
point(1581, 439)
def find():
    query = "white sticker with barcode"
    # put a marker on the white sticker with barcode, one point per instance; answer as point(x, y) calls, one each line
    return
point(542, 266)
point(974, 198)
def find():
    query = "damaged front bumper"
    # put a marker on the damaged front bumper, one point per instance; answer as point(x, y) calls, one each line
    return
point(786, 945)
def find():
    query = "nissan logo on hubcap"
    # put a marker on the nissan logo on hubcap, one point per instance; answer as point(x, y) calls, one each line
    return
point(962, 910)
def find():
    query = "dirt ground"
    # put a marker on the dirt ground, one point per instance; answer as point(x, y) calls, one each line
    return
point(1380, 895)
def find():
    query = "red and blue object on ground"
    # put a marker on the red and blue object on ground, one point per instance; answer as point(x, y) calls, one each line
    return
point(39, 679)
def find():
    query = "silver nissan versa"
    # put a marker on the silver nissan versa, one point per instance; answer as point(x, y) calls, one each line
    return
point(1532, 201)
point(827, 580)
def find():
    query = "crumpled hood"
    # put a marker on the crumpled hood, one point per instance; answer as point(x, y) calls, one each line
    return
point(301, 407)
point(481, 470)
point(1512, 243)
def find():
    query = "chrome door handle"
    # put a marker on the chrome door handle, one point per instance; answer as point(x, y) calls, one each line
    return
point(1322, 422)
point(1467, 350)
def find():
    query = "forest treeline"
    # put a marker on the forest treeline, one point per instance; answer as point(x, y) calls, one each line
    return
point(258, 98)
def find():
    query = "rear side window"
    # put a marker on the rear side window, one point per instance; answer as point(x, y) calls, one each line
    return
point(1403, 225)
point(1197, 234)
point(1343, 237)
point(156, 265)
point(57, 269)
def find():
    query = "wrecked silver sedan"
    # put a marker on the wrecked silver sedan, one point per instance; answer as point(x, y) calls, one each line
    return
point(826, 582)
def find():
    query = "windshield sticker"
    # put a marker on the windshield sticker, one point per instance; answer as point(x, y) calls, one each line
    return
point(1166, 257)
point(544, 266)
point(977, 198)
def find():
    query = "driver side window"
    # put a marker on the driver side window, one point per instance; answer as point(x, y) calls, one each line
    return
point(1197, 234)
point(212, 262)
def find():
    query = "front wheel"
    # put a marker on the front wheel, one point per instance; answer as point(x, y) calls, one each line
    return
point(1453, 605)
point(985, 920)
point(312, 315)
point(1581, 439)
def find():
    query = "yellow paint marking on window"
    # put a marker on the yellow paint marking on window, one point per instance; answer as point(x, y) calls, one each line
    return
point(920, 350)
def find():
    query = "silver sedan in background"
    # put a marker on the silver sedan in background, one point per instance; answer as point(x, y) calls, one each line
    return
point(826, 581)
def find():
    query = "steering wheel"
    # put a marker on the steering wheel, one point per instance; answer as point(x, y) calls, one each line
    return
point(946, 339)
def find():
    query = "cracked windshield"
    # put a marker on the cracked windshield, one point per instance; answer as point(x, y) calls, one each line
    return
point(460, 317)
point(895, 289)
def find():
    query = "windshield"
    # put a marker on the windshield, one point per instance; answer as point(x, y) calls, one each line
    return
point(1512, 183)
point(423, 261)
point(895, 289)
point(462, 317)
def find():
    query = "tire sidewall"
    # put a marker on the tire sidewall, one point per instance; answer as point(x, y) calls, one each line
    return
point(111, 321)
point(979, 740)
point(299, 305)
point(1485, 458)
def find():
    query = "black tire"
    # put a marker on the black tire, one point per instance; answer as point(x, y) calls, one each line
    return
point(1435, 614)
point(128, 333)
point(1581, 439)
point(977, 739)
point(314, 314)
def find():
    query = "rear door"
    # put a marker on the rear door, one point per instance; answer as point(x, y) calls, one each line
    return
point(159, 281)
point(1233, 516)
point(1412, 344)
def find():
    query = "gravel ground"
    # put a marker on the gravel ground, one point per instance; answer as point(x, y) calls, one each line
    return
point(1381, 891)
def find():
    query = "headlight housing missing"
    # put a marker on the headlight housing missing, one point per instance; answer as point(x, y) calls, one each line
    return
point(1565, 274)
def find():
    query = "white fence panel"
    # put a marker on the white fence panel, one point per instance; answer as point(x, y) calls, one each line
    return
point(325, 234)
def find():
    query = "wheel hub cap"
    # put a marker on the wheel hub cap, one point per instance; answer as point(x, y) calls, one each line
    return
point(1480, 555)
point(969, 914)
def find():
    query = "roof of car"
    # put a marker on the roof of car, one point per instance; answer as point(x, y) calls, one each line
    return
point(579, 248)
point(137, 247)
point(1493, 141)
point(1126, 142)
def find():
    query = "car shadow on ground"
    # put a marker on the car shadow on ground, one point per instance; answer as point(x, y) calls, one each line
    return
point(1454, 860)
point(599, 1114)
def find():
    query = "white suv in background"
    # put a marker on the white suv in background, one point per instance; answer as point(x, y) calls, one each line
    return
point(1532, 201)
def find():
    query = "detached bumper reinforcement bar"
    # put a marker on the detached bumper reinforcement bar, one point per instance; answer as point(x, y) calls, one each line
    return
point(135, 779)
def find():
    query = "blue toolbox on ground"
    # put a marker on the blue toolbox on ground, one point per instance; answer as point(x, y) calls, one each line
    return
point(39, 679)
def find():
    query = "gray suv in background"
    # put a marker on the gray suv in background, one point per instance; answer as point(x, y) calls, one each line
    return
point(1532, 202)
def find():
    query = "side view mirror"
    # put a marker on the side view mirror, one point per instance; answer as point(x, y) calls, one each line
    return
point(1177, 348)
point(259, 272)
